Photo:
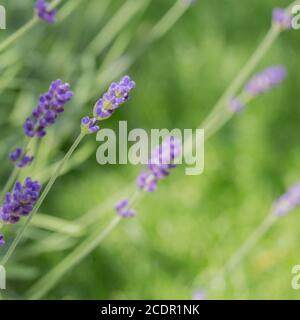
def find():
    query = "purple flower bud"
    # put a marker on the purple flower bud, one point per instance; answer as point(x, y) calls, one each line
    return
point(50, 105)
point(236, 105)
point(160, 164)
point(20, 201)
point(266, 80)
point(117, 94)
point(282, 18)
point(21, 160)
point(199, 295)
point(122, 208)
point(2, 241)
point(44, 12)
point(287, 202)
point(89, 125)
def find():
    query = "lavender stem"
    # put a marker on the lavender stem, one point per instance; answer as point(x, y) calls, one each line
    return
point(41, 199)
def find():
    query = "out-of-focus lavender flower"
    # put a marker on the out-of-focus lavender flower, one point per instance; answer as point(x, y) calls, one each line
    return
point(122, 208)
point(266, 80)
point(160, 164)
point(2, 241)
point(236, 105)
point(117, 94)
point(50, 105)
point(282, 18)
point(20, 201)
point(199, 295)
point(287, 202)
point(89, 125)
point(20, 160)
point(44, 11)
point(188, 2)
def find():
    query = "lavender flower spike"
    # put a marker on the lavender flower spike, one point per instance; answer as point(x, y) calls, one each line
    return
point(266, 80)
point(2, 241)
point(287, 202)
point(117, 94)
point(50, 105)
point(20, 202)
point(44, 12)
point(236, 105)
point(122, 208)
point(89, 125)
point(282, 18)
point(160, 164)
point(19, 159)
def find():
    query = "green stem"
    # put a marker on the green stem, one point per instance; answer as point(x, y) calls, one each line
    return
point(13, 176)
point(240, 254)
point(41, 199)
point(50, 279)
point(28, 26)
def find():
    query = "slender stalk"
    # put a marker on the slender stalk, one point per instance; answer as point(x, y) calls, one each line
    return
point(243, 250)
point(50, 279)
point(12, 178)
point(24, 29)
point(41, 199)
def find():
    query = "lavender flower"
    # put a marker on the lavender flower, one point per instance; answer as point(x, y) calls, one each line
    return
point(122, 208)
point(287, 202)
point(199, 295)
point(117, 94)
point(160, 164)
point(236, 105)
point(282, 18)
point(89, 125)
point(20, 202)
point(50, 105)
point(2, 241)
point(266, 80)
point(44, 11)
point(20, 160)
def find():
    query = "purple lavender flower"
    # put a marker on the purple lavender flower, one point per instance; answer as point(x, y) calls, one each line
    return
point(50, 105)
point(20, 202)
point(287, 202)
point(122, 208)
point(117, 94)
point(20, 160)
point(236, 105)
point(199, 295)
point(89, 125)
point(266, 80)
point(282, 18)
point(2, 241)
point(160, 164)
point(44, 11)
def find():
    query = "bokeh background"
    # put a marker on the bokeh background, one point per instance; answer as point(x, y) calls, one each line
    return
point(187, 229)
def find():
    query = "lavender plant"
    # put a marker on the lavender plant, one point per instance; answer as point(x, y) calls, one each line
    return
point(218, 117)
point(117, 94)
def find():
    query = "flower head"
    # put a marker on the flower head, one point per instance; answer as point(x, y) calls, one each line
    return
point(20, 201)
point(20, 159)
point(122, 208)
point(199, 294)
point(160, 164)
point(89, 125)
point(287, 202)
point(2, 241)
point(50, 105)
point(236, 105)
point(117, 94)
point(282, 18)
point(44, 11)
point(266, 80)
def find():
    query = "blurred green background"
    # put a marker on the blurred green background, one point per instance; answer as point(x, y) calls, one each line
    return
point(192, 224)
